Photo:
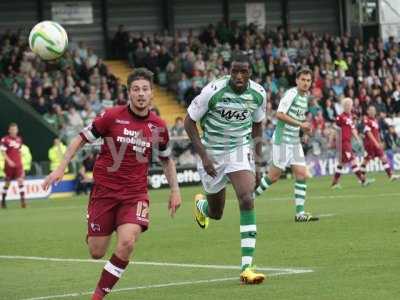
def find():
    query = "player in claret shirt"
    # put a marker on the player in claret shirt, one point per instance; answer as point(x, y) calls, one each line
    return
point(372, 143)
point(119, 200)
point(10, 146)
point(347, 130)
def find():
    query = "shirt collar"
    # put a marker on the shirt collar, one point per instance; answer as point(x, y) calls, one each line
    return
point(136, 115)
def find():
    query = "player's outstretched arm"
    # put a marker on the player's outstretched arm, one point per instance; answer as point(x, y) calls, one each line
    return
point(57, 174)
point(174, 203)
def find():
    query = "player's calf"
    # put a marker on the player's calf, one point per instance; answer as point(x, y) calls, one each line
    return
point(21, 188)
point(336, 177)
point(127, 235)
point(387, 168)
point(112, 272)
point(267, 180)
point(215, 213)
point(213, 207)
point(4, 194)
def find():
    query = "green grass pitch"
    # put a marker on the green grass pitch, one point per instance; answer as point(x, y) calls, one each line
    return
point(353, 251)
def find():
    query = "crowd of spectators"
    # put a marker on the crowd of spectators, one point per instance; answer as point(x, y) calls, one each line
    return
point(69, 93)
point(343, 66)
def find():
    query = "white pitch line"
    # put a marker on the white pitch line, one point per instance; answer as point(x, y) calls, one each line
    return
point(336, 196)
point(326, 215)
point(162, 285)
point(152, 286)
point(149, 263)
point(277, 272)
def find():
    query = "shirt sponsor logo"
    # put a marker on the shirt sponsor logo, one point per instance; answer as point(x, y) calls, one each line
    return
point(229, 114)
point(300, 113)
point(124, 122)
point(134, 138)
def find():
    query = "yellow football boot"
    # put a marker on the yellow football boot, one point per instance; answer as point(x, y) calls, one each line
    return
point(201, 219)
point(249, 276)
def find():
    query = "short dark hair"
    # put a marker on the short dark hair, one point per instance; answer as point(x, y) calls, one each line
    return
point(12, 124)
point(140, 73)
point(241, 58)
point(304, 71)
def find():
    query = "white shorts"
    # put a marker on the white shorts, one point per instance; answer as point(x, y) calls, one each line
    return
point(286, 155)
point(240, 159)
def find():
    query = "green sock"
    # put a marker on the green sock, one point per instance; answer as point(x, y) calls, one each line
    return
point(202, 205)
point(264, 185)
point(248, 232)
point(300, 188)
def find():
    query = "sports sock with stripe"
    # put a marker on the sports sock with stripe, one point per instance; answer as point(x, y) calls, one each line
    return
point(300, 188)
point(248, 233)
point(265, 183)
point(112, 272)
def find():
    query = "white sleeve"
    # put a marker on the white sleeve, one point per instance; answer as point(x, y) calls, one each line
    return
point(259, 113)
point(199, 106)
point(286, 101)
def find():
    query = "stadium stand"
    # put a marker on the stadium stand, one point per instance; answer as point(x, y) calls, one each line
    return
point(342, 67)
point(183, 64)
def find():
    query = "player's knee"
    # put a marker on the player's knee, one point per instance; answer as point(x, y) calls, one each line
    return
point(97, 253)
point(126, 246)
point(274, 178)
point(301, 176)
point(246, 201)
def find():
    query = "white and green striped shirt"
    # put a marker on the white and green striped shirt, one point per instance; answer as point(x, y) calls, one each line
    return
point(295, 106)
point(226, 117)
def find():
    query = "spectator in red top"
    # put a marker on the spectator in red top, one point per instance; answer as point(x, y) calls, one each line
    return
point(318, 121)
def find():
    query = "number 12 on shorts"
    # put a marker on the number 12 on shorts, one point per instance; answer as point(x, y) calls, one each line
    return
point(142, 210)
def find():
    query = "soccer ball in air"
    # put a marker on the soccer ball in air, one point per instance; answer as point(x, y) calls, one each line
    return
point(48, 40)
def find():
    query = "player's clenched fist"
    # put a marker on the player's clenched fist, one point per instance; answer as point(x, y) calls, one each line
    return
point(306, 127)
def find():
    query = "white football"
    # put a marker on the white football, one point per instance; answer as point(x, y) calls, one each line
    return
point(48, 39)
